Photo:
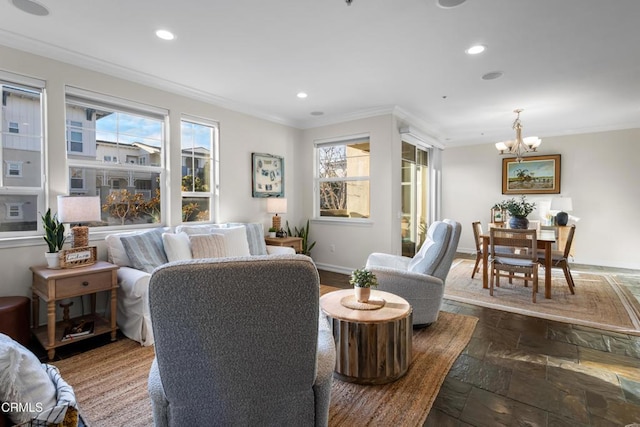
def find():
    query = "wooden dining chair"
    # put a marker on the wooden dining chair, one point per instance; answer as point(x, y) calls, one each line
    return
point(477, 232)
point(521, 262)
point(560, 259)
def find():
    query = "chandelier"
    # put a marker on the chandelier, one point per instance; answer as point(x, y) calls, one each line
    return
point(519, 146)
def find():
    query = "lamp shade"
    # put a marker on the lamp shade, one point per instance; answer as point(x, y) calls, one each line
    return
point(276, 205)
point(562, 204)
point(78, 209)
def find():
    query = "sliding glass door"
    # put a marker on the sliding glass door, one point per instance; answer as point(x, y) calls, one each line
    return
point(415, 197)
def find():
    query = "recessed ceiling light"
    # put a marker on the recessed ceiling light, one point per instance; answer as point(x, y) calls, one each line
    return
point(31, 7)
point(474, 50)
point(165, 35)
point(492, 75)
point(316, 113)
point(302, 95)
point(448, 4)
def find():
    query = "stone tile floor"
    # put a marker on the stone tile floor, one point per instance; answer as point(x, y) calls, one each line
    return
point(524, 371)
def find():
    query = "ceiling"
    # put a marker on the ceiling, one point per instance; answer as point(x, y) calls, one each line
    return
point(572, 65)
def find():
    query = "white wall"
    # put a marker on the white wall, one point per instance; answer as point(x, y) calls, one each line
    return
point(353, 242)
point(599, 171)
point(240, 135)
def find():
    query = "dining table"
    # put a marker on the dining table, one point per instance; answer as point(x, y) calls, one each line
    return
point(545, 238)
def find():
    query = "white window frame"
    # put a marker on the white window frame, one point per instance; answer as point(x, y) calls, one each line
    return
point(29, 83)
point(347, 140)
point(213, 193)
point(14, 127)
point(88, 99)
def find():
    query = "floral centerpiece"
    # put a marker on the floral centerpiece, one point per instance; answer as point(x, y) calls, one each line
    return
point(518, 210)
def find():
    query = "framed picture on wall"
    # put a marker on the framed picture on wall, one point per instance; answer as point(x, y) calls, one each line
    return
point(533, 175)
point(267, 175)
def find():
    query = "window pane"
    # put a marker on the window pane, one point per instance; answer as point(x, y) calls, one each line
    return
point(341, 161)
point(196, 209)
point(344, 199)
point(198, 141)
point(21, 137)
point(126, 146)
point(18, 213)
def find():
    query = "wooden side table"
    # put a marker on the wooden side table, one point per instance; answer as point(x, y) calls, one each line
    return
point(372, 346)
point(290, 242)
point(54, 285)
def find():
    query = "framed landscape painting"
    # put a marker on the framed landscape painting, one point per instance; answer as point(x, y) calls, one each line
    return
point(533, 175)
point(268, 175)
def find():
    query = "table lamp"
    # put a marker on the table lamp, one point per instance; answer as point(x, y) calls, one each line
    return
point(563, 205)
point(276, 205)
point(76, 210)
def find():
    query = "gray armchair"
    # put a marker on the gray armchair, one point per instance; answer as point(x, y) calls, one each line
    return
point(421, 279)
point(240, 341)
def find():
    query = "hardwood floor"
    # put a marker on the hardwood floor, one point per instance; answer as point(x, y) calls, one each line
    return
point(520, 370)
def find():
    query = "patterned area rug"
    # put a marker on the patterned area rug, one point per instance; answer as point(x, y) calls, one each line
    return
point(110, 382)
point(600, 301)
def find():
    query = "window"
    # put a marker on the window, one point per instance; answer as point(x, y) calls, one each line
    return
point(14, 211)
point(21, 154)
point(415, 197)
point(76, 179)
point(199, 152)
point(109, 129)
point(342, 178)
point(75, 136)
point(14, 169)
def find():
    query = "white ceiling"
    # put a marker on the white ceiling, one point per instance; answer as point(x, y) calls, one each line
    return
point(572, 65)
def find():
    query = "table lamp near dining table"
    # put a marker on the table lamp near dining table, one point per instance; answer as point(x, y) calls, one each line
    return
point(563, 205)
point(79, 210)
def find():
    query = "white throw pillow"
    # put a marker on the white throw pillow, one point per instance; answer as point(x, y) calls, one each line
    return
point(237, 244)
point(199, 229)
point(177, 246)
point(23, 379)
point(208, 246)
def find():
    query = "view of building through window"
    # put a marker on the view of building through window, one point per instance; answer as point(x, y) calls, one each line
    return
point(343, 178)
point(21, 148)
point(198, 141)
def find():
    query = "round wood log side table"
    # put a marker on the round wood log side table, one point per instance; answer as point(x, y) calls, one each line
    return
point(373, 344)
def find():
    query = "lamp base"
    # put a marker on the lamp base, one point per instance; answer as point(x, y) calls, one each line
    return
point(562, 218)
point(275, 222)
point(80, 236)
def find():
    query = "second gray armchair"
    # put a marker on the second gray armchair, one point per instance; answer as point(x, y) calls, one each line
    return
point(421, 279)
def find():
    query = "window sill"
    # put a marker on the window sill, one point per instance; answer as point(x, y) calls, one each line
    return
point(354, 222)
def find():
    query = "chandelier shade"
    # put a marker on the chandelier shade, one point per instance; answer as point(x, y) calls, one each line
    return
point(520, 145)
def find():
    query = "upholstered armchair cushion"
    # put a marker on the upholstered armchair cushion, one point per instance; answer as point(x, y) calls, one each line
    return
point(432, 250)
point(244, 336)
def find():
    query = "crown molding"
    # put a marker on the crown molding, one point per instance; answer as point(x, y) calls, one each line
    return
point(67, 56)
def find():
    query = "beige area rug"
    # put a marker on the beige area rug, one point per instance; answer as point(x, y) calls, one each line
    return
point(600, 300)
point(110, 382)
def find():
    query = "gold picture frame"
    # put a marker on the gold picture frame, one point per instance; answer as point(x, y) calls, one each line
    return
point(78, 257)
point(532, 175)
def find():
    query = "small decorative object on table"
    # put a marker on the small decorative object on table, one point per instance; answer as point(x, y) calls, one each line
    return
point(518, 210)
point(272, 232)
point(78, 257)
point(281, 233)
point(363, 280)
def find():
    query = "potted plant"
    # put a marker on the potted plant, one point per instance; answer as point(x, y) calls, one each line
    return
point(272, 232)
point(363, 280)
point(54, 236)
point(518, 210)
point(304, 234)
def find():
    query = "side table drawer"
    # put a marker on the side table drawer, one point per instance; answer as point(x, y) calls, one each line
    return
point(72, 286)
